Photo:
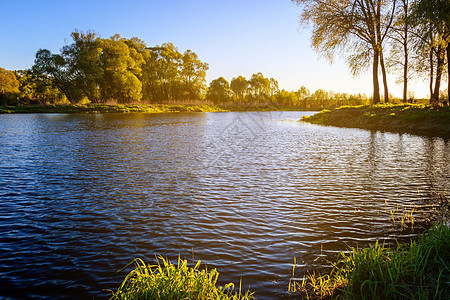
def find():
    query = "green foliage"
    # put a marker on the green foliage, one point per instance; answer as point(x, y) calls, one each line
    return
point(168, 281)
point(8, 82)
point(121, 70)
point(56, 67)
point(83, 59)
point(219, 91)
point(37, 89)
point(239, 86)
point(259, 87)
point(419, 270)
point(168, 74)
point(192, 74)
point(9, 86)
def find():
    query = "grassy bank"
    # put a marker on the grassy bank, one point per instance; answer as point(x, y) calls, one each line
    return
point(416, 270)
point(104, 108)
point(419, 270)
point(418, 119)
point(168, 281)
point(139, 108)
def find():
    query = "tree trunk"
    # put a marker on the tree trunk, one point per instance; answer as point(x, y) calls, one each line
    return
point(385, 85)
point(405, 50)
point(376, 85)
point(405, 79)
point(439, 71)
point(431, 75)
point(377, 52)
point(448, 73)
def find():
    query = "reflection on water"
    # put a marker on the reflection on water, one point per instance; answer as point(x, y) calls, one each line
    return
point(82, 195)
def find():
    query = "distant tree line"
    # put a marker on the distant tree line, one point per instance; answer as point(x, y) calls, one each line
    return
point(27, 87)
point(92, 69)
point(259, 90)
point(98, 70)
point(411, 37)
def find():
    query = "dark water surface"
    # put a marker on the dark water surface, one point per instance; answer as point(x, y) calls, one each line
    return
point(83, 195)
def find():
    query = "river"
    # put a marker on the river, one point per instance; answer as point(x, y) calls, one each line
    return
point(82, 195)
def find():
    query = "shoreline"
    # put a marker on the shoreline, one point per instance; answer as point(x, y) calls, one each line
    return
point(403, 118)
point(139, 108)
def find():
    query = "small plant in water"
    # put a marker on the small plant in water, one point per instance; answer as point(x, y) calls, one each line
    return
point(168, 281)
point(316, 286)
point(405, 219)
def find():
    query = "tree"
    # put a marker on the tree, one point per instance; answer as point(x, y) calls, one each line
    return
point(9, 86)
point(433, 18)
point(239, 86)
point(219, 91)
point(320, 97)
point(274, 89)
point(192, 73)
point(286, 98)
point(401, 43)
point(119, 80)
point(161, 75)
point(8, 82)
point(54, 66)
point(340, 25)
point(33, 89)
point(259, 87)
point(83, 60)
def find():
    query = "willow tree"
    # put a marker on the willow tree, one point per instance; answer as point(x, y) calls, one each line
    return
point(57, 68)
point(82, 58)
point(433, 17)
point(341, 26)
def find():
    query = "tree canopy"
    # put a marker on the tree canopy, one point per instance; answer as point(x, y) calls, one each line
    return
point(123, 70)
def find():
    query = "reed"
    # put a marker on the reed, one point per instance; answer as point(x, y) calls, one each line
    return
point(419, 270)
point(404, 219)
point(168, 281)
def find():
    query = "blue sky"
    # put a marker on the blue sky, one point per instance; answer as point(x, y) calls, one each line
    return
point(235, 37)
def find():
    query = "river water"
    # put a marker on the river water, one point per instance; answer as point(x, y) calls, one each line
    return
point(82, 195)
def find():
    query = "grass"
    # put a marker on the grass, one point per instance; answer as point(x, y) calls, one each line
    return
point(168, 281)
point(141, 108)
point(411, 118)
point(105, 108)
point(419, 270)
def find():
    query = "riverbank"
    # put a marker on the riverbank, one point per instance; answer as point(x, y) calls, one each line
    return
point(138, 108)
point(105, 108)
point(415, 270)
point(404, 118)
point(419, 270)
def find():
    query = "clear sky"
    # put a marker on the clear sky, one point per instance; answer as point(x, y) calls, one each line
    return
point(235, 37)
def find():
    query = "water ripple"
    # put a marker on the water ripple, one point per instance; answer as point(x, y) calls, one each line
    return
point(83, 195)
